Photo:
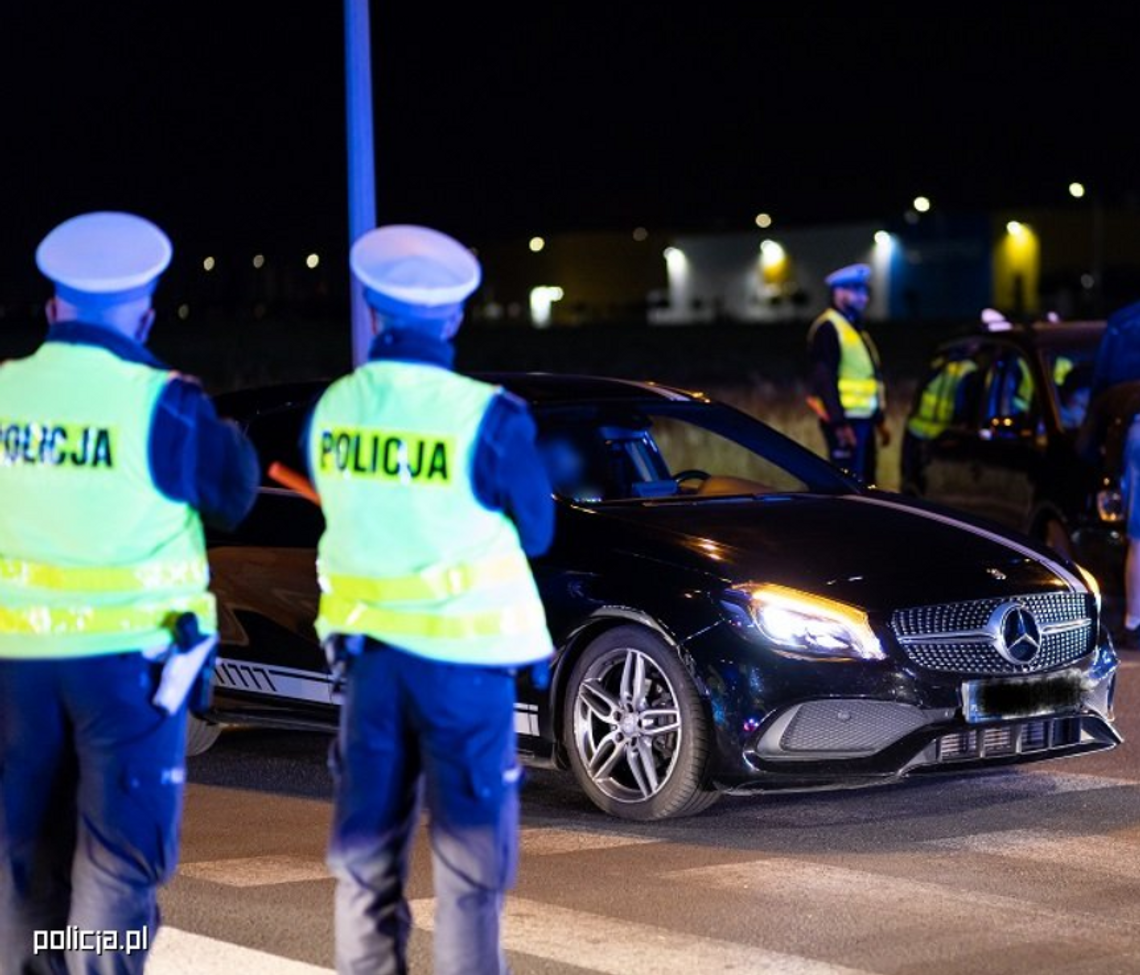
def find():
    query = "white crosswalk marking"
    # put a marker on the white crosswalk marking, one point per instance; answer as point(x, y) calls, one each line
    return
point(551, 840)
point(265, 871)
point(178, 952)
point(817, 885)
point(1107, 854)
point(262, 871)
point(610, 946)
point(1078, 781)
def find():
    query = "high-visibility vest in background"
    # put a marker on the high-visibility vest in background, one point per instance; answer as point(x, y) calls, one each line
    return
point(861, 391)
point(410, 556)
point(94, 559)
point(939, 403)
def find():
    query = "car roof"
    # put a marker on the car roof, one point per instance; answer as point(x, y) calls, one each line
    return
point(538, 389)
point(1039, 335)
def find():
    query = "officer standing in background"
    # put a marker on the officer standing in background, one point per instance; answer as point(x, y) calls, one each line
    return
point(433, 496)
point(846, 382)
point(108, 464)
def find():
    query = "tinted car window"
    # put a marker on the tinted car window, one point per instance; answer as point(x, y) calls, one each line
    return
point(609, 454)
point(1071, 373)
point(950, 396)
point(276, 434)
point(1014, 397)
point(686, 446)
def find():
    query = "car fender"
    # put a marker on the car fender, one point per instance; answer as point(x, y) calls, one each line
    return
point(604, 618)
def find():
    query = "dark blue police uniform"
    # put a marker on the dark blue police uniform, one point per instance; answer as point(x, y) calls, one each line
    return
point(91, 772)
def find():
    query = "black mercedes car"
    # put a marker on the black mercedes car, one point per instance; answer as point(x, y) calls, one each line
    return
point(730, 612)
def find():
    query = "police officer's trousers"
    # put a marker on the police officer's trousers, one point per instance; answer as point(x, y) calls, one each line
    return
point(862, 460)
point(90, 797)
point(412, 728)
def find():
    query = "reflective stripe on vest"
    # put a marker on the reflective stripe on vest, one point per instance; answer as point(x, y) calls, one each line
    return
point(861, 392)
point(350, 616)
point(409, 555)
point(121, 621)
point(153, 575)
point(438, 582)
point(94, 558)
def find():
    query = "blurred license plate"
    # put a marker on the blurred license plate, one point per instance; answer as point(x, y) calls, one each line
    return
point(1021, 697)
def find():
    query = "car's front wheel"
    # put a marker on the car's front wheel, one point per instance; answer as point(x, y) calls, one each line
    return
point(635, 728)
point(200, 735)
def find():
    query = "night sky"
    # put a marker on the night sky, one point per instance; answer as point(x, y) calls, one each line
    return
point(224, 121)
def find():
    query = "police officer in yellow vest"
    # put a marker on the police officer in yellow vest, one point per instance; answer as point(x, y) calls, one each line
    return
point(846, 381)
point(433, 495)
point(108, 462)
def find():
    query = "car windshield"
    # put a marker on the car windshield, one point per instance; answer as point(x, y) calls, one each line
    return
point(1071, 373)
point(674, 450)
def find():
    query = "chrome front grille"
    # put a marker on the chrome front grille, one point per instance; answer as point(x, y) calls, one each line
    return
point(953, 637)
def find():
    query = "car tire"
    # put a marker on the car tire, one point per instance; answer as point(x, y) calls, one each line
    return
point(200, 735)
point(635, 728)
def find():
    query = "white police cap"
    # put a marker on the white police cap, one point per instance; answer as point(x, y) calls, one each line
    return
point(106, 256)
point(414, 266)
point(852, 276)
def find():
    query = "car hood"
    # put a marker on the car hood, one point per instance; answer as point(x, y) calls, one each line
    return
point(872, 550)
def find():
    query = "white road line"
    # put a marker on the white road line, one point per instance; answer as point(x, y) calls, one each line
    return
point(1110, 854)
point(178, 952)
point(891, 899)
point(1060, 782)
point(263, 871)
point(550, 841)
point(267, 871)
point(610, 946)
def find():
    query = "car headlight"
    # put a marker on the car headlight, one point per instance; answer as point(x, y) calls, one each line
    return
point(1090, 581)
point(802, 624)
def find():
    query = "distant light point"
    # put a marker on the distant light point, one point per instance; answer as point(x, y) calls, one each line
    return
point(259, 261)
point(640, 234)
point(882, 238)
point(312, 261)
point(536, 244)
point(763, 220)
point(1076, 190)
point(922, 204)
point(208, 264)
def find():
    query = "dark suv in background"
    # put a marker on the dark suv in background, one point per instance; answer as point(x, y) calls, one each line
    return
point(1002, 427)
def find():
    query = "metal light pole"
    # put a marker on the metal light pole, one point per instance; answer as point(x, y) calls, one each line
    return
point(361, 156)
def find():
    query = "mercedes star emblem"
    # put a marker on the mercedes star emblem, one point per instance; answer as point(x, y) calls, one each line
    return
point(1018, 634)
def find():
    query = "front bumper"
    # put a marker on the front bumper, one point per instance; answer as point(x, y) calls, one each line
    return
point(897, 723)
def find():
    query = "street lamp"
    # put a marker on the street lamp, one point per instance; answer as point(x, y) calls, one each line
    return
point(1076, 190)
point(922, 204)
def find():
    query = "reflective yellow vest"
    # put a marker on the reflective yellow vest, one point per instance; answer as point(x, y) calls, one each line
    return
point(938, 401)
point(409, 555)
point(94, 559)
point(861, 393)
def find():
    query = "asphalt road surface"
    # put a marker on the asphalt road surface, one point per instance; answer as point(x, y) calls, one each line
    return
point(1035, 870)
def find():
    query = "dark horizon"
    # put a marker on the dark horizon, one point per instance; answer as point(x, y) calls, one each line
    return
point(227, 126)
